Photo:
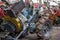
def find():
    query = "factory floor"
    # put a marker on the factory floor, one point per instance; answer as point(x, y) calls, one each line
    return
point(55, 35)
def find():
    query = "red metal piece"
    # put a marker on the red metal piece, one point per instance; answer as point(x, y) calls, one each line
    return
point(1, 3)
point(2, 14)
point(58, 12)
point(36, 5)
point(52, 16)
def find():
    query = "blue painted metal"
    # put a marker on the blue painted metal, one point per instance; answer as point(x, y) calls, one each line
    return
point(32, 28)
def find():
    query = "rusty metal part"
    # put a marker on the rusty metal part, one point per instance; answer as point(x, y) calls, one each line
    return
point(40, 23)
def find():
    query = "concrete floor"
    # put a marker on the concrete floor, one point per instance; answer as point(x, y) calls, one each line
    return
point(55, 35)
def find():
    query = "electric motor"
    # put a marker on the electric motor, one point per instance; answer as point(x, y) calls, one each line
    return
point(11, 22)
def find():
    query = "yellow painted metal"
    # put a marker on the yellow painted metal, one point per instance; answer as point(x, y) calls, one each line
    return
point(17, 22)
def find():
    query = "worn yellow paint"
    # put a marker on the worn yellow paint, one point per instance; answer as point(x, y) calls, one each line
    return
point(17, 22)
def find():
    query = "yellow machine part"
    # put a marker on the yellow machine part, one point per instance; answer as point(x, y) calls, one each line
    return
point(15, 21)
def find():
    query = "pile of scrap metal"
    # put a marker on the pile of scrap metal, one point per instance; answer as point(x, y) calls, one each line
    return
point(17, 20)
point(55, 13)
